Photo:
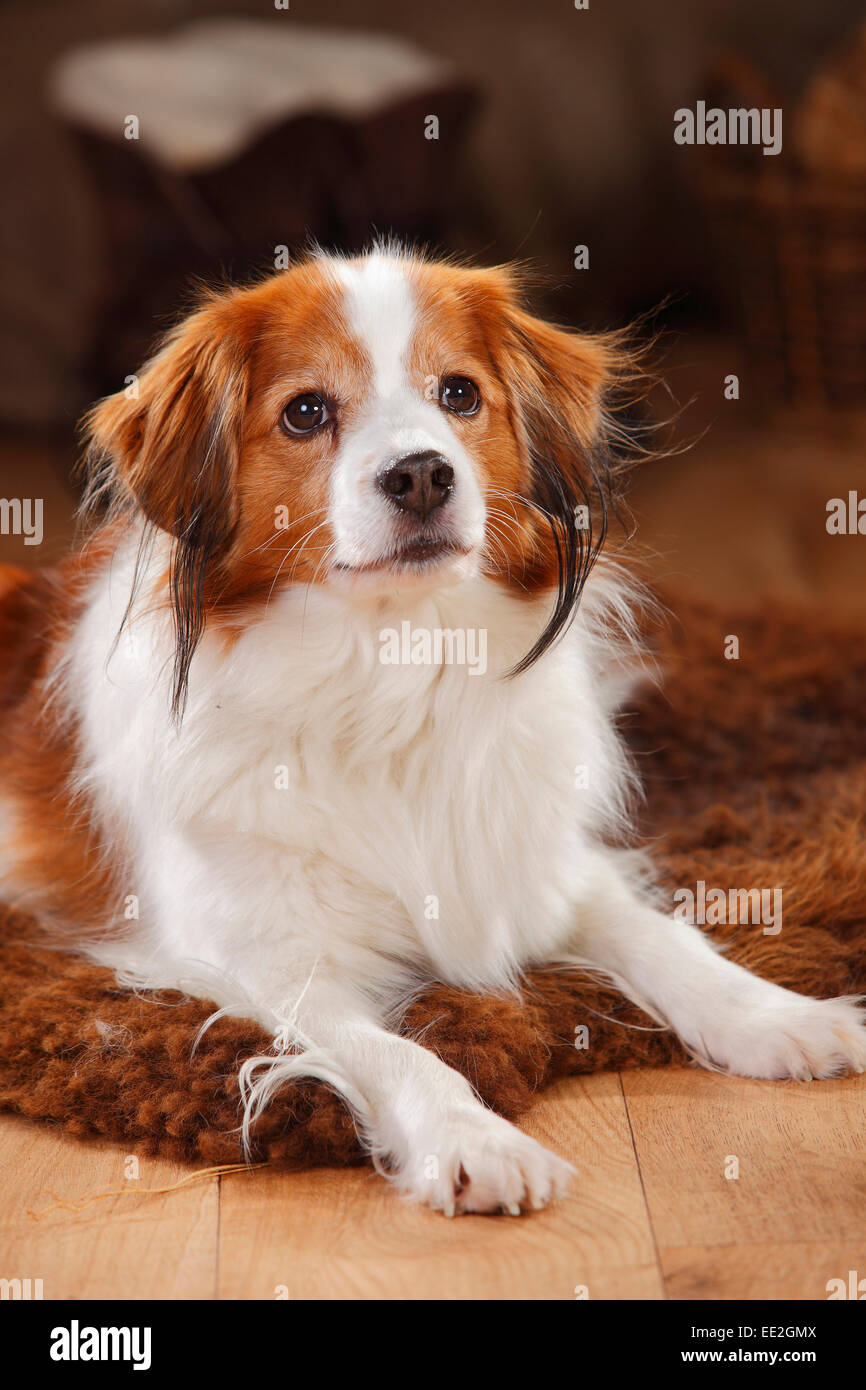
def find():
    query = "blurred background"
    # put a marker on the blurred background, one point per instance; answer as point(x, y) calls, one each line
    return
point(145, 147)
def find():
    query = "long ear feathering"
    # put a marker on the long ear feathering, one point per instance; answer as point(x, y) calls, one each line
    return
point(577, 397)
point(168, 454)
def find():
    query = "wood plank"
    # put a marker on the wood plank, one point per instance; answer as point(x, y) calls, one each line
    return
point(128, 1247)
point(799, 1147)
point(783, 1271)
point(345, 1235)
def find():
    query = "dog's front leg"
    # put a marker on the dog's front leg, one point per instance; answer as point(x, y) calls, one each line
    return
point(420, 1119)
point(729, 1018)
point(303, 976)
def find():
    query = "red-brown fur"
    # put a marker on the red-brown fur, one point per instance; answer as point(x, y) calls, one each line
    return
point(198, 448)
point(56, 849)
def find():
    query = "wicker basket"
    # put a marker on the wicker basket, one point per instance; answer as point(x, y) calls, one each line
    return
point(792, 248)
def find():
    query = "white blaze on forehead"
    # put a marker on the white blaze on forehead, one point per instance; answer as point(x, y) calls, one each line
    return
point(380, 308)
point(395, 418)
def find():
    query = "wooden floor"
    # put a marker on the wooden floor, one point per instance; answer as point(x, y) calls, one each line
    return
point(655, 1212)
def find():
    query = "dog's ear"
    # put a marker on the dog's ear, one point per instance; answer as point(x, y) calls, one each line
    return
point(563, 389)
point(562, 380)
point(170, 441)
point(168, 447)
point(559, 380)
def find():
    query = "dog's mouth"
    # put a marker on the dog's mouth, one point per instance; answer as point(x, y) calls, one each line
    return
point(413, 560)
point(420, 553)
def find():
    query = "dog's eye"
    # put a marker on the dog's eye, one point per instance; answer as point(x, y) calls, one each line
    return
point(460, 394)
point(305, 413)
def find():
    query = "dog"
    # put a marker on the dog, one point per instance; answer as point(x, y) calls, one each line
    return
point(245, 752)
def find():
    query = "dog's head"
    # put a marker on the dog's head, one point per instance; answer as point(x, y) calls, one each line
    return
point(366, 424)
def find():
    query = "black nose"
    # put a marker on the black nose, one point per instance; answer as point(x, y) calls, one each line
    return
point(418, 483)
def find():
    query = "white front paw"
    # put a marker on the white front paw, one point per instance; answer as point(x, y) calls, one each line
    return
point(474, 1161)
point(775, 1033)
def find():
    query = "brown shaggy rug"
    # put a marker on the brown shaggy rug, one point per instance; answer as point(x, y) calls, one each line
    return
point(755, 772)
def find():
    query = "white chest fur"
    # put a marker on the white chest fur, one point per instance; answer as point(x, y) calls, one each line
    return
point(425, 811)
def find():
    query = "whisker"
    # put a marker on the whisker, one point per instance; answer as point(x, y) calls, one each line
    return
point(289, 552)
point(281, 531)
